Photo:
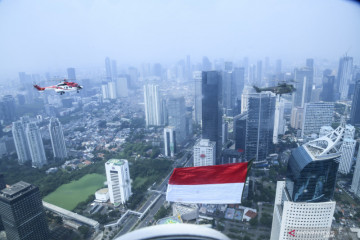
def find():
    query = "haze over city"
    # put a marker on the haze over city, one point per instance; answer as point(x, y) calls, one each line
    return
point(46, 35)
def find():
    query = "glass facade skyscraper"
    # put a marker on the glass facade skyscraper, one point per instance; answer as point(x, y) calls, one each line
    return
point(212, 108)
point(355, 106)
point(310, 180)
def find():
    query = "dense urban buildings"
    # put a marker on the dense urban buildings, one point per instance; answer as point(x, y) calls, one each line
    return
point(36, 145)
point(57, 139)
point(21, 142)
point(177, 117)
point(118, 179)
point(22, 212)
point(204, 153)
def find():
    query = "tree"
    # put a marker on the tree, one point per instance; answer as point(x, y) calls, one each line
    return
point(253, 221)
point(102, 124)
point(84, 230)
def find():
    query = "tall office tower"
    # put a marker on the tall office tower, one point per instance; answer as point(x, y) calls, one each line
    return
point(239, 80)
point(224, 132)
point(22, 212)
point(112, 90)
point(108, 69)
point(240, 131)
point(118, 179)
point(71, 74)
point(133, 73)
point(57, 139)
point(177, 117)
point(204, 153)
point(206, 64)
point(121, 87)
point(8, 108)
point(247, 92)
point(197, 76)
point(325, 130)
point(344, 76)
point(304, 81)
point(164, 115)
point(355, 106)
point(228, 89)
point(297, 116)
point(212, 108)
point(259, 126)
point(105, 90)
point(170, 141)
point(304, 207)
point(327, 94)
point(152, 105)
point(355, 184)
point(188, 68)
point(347, 153)
point(279, 120)
point(114, 74)
point(228, 66)
point(310, 63)
point(2, 182)
point(21, 143)
point(259, 73)
point(315, 116)
point(36, 145)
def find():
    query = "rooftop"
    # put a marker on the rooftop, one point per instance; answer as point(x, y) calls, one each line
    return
point(15, 190)
point(116, 162)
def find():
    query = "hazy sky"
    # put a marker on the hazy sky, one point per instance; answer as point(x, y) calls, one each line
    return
point(45, 34)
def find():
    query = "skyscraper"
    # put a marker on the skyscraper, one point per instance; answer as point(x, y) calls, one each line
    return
point(7, 106)
point(206, 64)
point(108, 69)
point(344, 76)
point(355, 106)
point(297, 117)
point(22, 212)
point(327, 94)
point(112, 90)
point(212, 108)
point(71, 74)
point(197, 76)
point(21, 143)
point(57, 139)
point(240, 131)
point(114, 74)
point(279, 120)
point(347, 150)
point(170, 141)
point(122, 87)
point(303, 203)
point(118, 179)
point(304, 81)
point(259, 126)
point(259, 73)
point(36, 145)
point(152, 105)
point(104, 90)
point(315, 116)
point(177, 117)
point(239, 79)
point(228, 89)
point(355, 184)
point(204, 153)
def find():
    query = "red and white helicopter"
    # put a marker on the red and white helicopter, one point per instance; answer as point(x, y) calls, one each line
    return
point(62, 87)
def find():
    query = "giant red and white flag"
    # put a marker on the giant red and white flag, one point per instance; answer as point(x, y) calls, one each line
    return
point(219, 184)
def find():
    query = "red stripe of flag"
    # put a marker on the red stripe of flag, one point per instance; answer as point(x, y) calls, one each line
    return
point(217, 174)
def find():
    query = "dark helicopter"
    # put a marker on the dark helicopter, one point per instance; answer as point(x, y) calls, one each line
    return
point(281, 88)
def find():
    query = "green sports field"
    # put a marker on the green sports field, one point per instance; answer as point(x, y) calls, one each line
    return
point(69, 195)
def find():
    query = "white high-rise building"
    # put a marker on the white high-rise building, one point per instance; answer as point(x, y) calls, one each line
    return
point(170, 141)
point(347, 155)
point(246, 94)
point(36, 145)
point(122, 86)
point(21, 144)
point(118, 180)
point(204, 153)
point(105, 91)
point(355, 184)
point(344, 76)
point(112, 90)
point(315, 116)
point(152, 105)
point(57, 139)
point(304, 205)
point(279, 120)
point(197, 76)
